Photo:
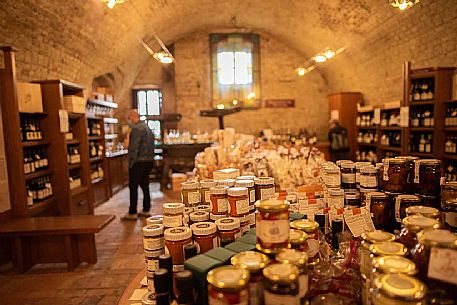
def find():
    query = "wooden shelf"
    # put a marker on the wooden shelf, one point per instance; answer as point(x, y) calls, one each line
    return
point(78, 190)
point(451, 102)
point(97, 180)
point(34, 143)
point(110, 136)
point(390, 148)
point(393, 128)
point(368, 128)
point(33, 113)
point(421, 155)
point(91, 138)
point(74, 116)
point(96, 159)
point(450, 157)
point(93, 117)
point(450, 129)
point(72, 142)
point(74, 166)
point(417, 129)
point(41, 206)
point(422, 103)
point(111, 120)
point(38, 174)
point(374, 145)
point(103, 103)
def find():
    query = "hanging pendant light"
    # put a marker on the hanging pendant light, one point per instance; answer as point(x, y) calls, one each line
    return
point(403, 4)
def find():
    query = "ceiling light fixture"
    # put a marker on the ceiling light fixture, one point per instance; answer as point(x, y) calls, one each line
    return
point(403, 4)
point(319, 58)
point(112, 3)
point(163, 56)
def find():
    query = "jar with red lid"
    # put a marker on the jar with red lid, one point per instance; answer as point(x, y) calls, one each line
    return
point(348, 181)
point(228, 285)
point(228, 229)
point(190, 193)
point(204, 190)
point(395, 175)
point(205, 236)
point(311, 228)
point(238, 199)
point(249, 184)
point(427, 177)
point(411, 226)
point(272, 225)
point(175, 241)
point(402, 202)
point(264, 188)
point(173, 215)
point(219, 200)
point(378, 205)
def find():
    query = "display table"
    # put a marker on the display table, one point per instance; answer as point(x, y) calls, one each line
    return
point(128, 292)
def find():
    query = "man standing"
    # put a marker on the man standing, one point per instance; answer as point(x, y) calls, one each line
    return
point(337, 136)
point(141, 157)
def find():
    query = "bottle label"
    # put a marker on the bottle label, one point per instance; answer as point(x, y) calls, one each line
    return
point(273, 231)
point(397, 209)
point(172, 221)
point(276, 299)
point(242, 207)
point(153, 243)
point(193, 198)
point(153, 264)
point(267, 193)
point(222, 205)
point(348, 178)
point(450, 218)
point(252, 195)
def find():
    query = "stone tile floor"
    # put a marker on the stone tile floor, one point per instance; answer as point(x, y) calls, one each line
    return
point(120, 258)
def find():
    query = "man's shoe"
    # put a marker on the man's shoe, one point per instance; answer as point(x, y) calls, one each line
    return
point(129, 217)
point(144, 214)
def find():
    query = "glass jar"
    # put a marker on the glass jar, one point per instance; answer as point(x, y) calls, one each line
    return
point(228, 285)
point(226, 182)
point(352, 200)
point(430, 201)
point(228, 229)
point(450, 214)
point(299, 259)
point(173, 215)
point(203, 208)
point(369, 178)
point(219, 200)
point(153, 220)
point(358, 170)
point(198, 216)
point(175, 241)
point(249, 184)
point(254, 262)
point(424, 211)
point(244, 223)
point(153, 237)
point(205, 235)
point(297, 240)
point(395, 175)
point(427, 177)
point(402, 202)
point(348, 176)
point(204, 191)
point(281, 284)
point(272, 225)
point(251, 218)
point(335, 198)
point(238, 201)
point(332, 177)
point(398, 289)
point(449, 191)
point(411, 226)
point(410, 162)
point(152, 259)
point(190, 193)
point(246, 177)
point(378, 206)
point(264, 188)
point(311, 228)
point(214, 217)
point(363, 251)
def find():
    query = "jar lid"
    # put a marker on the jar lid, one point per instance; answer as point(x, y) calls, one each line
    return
point(202, 208)
point(429, 162)
point(394, 264)
point(297, 237)
point(349, 165)
point(179, 233)
point(401, 286)
point(398, 161)
point(422, 210)
point(153, 254)
point(173, 208)
point(244, 183)
point(336, 192)
point(153, 230)
point(452, 201)
point(388, 248)
point(243, 218)
point(203, 228)
point(417, 223)
point(208, 183)
point(352, 196)
point(292, 256)
point(307, 225)
point(272, 205)
point(451, 185)
point(377, 195)
point(215, 217)
point(199, 216)
point(332, 170)
point(218, 190)
point(154, 220)
point(410, 198)
point(281, 272)
point(377, 236)
point(379, 165)
point(360, 165)
point(264, 181)
point(228, 277)
point(227, 224)
point(246, 177)
point(190, 185)
point(237, 191)
point(149, 298)
point(188, 210)
point(250, 260)
point(437, 238)
point(340, 162)
point(226, 182)
point(368, 170)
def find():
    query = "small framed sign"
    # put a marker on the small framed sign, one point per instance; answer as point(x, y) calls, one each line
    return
point(279, 103)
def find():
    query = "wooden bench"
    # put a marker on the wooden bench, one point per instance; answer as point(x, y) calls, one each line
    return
point(69, 239)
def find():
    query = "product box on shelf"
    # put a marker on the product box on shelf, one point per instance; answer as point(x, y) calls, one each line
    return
point(29, 97)
point(74, 103)
point(226, 173)
point(176, 180)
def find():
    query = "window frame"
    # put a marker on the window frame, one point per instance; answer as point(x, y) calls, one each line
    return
point(149, 117)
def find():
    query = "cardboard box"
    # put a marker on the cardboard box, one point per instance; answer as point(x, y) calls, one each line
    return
point(176, 180)
point(226, 173)
point(29, 97)
point(74, 103)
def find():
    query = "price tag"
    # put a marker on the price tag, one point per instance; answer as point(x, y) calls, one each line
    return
point(358, 221)
point(441, 265)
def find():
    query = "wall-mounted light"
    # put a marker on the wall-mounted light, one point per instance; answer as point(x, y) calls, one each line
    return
point(112, 3)
point(403, 4)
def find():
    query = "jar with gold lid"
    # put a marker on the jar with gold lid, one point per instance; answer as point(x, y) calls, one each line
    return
point(384, 248)
point(369, 238)
point(272, 225)
point(219, 200)
point(311, 228)
point(228, 285)
point(281, 284)
point(424, 211)
point(412, 225)
point(204, 190)
point(298, 240)
point(190, 193)
point(264, 188)
point(299, 259)
point(254, 262)
point(398, 289)
point(402, 202)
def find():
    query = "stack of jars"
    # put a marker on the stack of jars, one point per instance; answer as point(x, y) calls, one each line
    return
point(154, 246)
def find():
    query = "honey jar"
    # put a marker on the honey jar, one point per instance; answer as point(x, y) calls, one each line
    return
point(205, 236)
point(228, 285)
point(190, 193)
point(153, 237)
point(369, 238)
point(249, 184)
point(175, 241)
point(378, 205)
point(204, 190)
point(299, 259)
point(173, 215)
point(348, 181)
point(450, 214)
point(228, 229)
point(198, 217)
point(219, 200)
point(238, 201)
point(402, 202)
point(264, 188)
point(298, 239)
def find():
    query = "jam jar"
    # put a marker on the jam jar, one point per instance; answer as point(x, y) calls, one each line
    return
point(281, 284)
point(238, 199)
point(352, 200)
point(378, 205)
point(228, 285)
point(219, 200)
point(190, 193)
point(398, 289)
point(153, 237)
point(430, 201)
point(411, 226)
point(363, 251)
point(395, 175)
point(424, 211)
point(449, 191)
point(175, 241)
point(205, 235)
point(299, 259)
point(173, 215)
point(450, 215)
point(264, 188)
point(427, 177)
point(311, 228)
point(298, 240)
point(204, 190)
point(249, 184)
point(384, 248)
point(348, 176)
point(410, 162)
point(335, 198)
point(198, 216)
point(369, 178)
point(228, 229)
point(358, 171)
point(332, 177)
point(272, 225)
point(254, 262)
point(402, 202)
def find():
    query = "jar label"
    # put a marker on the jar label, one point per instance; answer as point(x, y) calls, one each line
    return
point(242, 207)
point(243, 299)
point(313, 247)
point(267, 193)
point(153, 243)
point(153, 264)
point(365, 264)
point(207, 197)
point(172, 221)
point(440, 263)
point(273, 231)
point(222, 205)
point(303, 284)
point(336, 202)
point(450, 218)
point(277, 299)
point(252, 195)
point(193, 197)
point(385, 170)
point(348, 178)
point(369, 182)
point(178, 268)
point(416, 171)
point(397, 209)
point(333, 179)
